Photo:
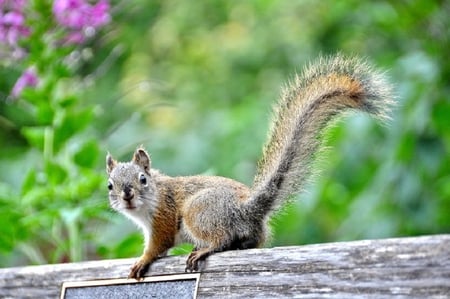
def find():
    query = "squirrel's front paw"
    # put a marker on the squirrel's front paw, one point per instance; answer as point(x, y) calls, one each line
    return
point(139, 268)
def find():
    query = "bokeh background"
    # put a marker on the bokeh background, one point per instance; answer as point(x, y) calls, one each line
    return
point(194, 81)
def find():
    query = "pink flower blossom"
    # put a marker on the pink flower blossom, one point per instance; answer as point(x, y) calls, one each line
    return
point(80, 18)
point(79, 14)
point(13, 18)
point(99, 14)
point(13, 4)
point(75, 37)
point(29, 78)
point(12, 23)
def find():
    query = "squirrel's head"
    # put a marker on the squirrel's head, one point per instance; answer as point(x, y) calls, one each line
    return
point(131, 187)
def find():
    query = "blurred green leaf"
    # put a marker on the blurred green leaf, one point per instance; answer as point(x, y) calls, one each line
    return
point(182, 249)
point(68, 101)
point(29, 181)
point(35, 136)
point(88, 155)
point(10, 230)
point(45, 114)
point(70, 123)
point(56, 174)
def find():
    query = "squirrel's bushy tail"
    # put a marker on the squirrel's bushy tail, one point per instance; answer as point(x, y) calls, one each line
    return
point(321, 93)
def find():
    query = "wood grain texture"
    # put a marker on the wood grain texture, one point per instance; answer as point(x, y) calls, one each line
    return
point(416, 267)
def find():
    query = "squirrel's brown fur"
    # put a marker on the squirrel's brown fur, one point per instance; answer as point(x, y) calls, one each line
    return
point(216, 213)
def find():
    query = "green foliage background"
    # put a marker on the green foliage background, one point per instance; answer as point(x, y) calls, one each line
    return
point(194, 82)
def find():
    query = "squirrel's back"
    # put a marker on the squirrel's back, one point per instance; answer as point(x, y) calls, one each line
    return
point(325, 90)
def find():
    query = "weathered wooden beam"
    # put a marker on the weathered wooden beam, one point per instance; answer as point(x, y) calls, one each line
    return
point(417, 267)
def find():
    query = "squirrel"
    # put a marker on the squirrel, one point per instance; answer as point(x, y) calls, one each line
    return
point(218, 214)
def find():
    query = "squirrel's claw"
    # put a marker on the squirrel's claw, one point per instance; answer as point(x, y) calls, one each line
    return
point(196, 256)
point(139, 269)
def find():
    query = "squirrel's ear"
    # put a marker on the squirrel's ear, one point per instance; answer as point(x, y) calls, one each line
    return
point(142, 158)
point(110, 163)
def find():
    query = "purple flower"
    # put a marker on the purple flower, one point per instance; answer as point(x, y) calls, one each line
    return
point(12, 23)
point(13, 18)
point(74, 37)
point(80, 18)
point(13, 4)
point(99, 14)
point(70, 13)
point(79, 14)
point(27, 79)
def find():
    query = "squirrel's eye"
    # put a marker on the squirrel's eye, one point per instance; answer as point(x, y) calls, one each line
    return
point(110, 186)
point(142, 179)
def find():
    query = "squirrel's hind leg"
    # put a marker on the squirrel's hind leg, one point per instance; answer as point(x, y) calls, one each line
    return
point(200, 254)
point(196, 256)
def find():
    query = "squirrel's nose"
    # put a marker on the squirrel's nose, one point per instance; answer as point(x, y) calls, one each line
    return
point(128, 193)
